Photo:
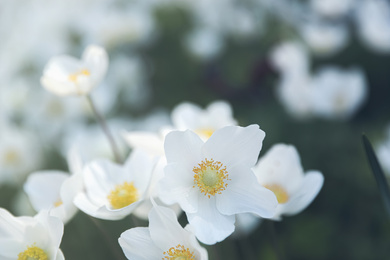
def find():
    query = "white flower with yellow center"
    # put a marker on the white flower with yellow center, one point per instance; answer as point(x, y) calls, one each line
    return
point(212, 181)
point(65, 75)
point(55, 190)
point(203, 121)
point(163, 239)
point(113, 191)
point(30, 238)
point(280, 171)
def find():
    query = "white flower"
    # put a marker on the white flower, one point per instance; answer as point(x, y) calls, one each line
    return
point(55, 190)
point(332, 8)
point(203, 121)
point(213, 181)
point(163, 239)
point(280, 170)
point(290, 58)
point(114, 191)
point(184, 116)
point(30, 237)
point(338, 93)
point(324, 38)
point(373, 19)
point(20, 153)
point(204, 43)
point(65, 75)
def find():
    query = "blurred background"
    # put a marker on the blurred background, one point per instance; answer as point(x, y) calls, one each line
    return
point(314, 74)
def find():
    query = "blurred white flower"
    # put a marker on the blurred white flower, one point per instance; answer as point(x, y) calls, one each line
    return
point(163, 239)
point(20, 153)
point(36, 237)
point(332, 8)
point(295, 94)
point(245, 224)
point(114, 191)
point(55, 190)
point(203, 122)
point(65, 75)
point(324, 39)
point(373, 19)
point(184, 116)
point(280, 171)
point(213, 181)
point(290, 58)
point(338, 93)
point(204, 43)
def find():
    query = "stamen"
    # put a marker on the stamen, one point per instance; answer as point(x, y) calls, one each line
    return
point(123, 195)
point(178, 253)
point(210, 177)
point(280, 193)
point(58, 203)
point(33, 253)
point(84, 72)
point(206, 132)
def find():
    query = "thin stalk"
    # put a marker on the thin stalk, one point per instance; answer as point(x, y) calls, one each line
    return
point(274, 240)
point(105, 128)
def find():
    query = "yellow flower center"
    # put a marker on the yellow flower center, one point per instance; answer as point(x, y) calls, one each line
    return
point(178, 253)
point(11, 157)
point(33, 253)
point(84, 72)
point(210, 177)
point(280, 193)
point(123, 195)
point(58, 203)
point(206, 132)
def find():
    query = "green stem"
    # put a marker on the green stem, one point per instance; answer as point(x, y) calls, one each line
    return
point(105, 128)
point(274, 240)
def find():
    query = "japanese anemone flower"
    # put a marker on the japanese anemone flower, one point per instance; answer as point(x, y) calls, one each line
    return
point(114, 191)
point(23, 238)
point(65, 75)
point(280, 171)
point(163, 239)
point(212, 181)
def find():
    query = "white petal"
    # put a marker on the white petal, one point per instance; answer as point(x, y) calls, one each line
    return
point(245, 195)
point(221, 113)
point(10, 248)
point(150, 142)
point(164, 228)
point(183, 147)
point(209, 224)
point(137, 244)
point(233, 145)
point(177, 187)
point(139, 168)
point(43, 188)
point(186, 116)
point(54, 226)
point(60, 255)
point(312, 184)
point(96, 60)
point(10, 226)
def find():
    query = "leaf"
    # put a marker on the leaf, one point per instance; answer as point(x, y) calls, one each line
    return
point(378, 173)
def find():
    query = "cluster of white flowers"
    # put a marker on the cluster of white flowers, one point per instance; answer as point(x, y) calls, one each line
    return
point(331, 92)
point(204, 165)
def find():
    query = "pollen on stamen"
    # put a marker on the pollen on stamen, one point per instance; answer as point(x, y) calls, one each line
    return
point(33, 253)
point(73, 77)
point(206, 132)
point(280, 193)
point(211, 177)
point(178, 253)
point(58, 203)
point(123, 195)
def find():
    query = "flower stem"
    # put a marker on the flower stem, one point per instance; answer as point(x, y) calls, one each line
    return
point(274, 240)
point(105, 128)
